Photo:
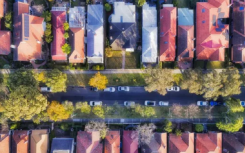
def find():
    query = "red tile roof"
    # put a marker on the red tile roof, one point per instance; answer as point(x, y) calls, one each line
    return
point(58, 18)
point(130, 142)
point(1, 8)
point(167, 33)
point(185, 43)
point(233, 142)
point(209, 142)
point(158, 144)
point(4, 142)
point(181, 144)
point(89, 142)
point(77, 45)
point(5, 42)
point(20, 142)
point(212, 36)
point(112, 142)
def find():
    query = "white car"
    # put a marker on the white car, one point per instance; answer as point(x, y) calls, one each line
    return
point(150, 103)
point(95, 103)
point(174, 88)
point(45, 89)
point(202, 103)
point(110, 89)
point(243, 103)
point(123, 88)
point(129, 103)
point(163, 103)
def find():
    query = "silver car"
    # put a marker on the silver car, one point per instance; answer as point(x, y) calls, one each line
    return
point(110, 89)
point(129, 103)
point(123, 88)
point(202, 103)
point(174, 88)
point(95, 103)
point(163, 103)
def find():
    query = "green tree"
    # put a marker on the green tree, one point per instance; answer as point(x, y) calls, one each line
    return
point(22, 77)
point(149, 111)
point(56, 80)
point(98, 81)
point(47, 32)
point(68, 107)
point(48, 26)
point(168, 126)
point(108, 52)
point(66, 26)
point(233, 125)
point(47, 16)
point(98, 111)
point(234, 105)
point(8, 17)
point(43, 116)
point(24, 103)
point(158, 79)
point(66, 48)
point(107, 7)
point(178, 132)
point(199, 127)
point(141, 2)
point(84, 107)
point(66, 35)
point(49, 39)
point(97, 126)
point(57, 111)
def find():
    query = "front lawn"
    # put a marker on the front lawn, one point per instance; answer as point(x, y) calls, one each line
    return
point(114, 62)
point(210, 65)
point(132, 60)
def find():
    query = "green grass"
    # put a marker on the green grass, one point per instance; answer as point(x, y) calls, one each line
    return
point(132, 60)
point(114, 62)
point(215, 65)
point(170, 65)
point(39, 2)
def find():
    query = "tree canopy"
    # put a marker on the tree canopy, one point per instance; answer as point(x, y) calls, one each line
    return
point(66, 26)
point(57, 111)
point(97, 126)
point(84, 107)
point(168, 126)
point(233, 125)
point(66, 48)
point(199, 127)
point(145, 133)
point(141, 2)
point(98, 81)
point(145, 111)
point(107, 7)
point(234, 105)
point(47, 16)
point(56, 80)
point(98, 111)
point(66, 35)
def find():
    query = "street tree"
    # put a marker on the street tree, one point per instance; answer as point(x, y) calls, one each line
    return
point(168, 126)
point(98, 111)
point(145, 111)
point(56, 80)
point(42, 116)
point(84, 107)
point(24, 103)
point(57, 111)
point(97, 126)
point(234, 105)
point(199, 127)
point(68, 107)
point(233, 125)
point(158, 79)
point(177, 110)
point(98, 81)
point(66, 48)
point(193, 111)
point(145, 133)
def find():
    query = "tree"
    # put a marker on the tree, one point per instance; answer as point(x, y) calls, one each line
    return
point(178, 78)
point(98, 111)
point(97, 126)
point(168, 126)
point(107, 7)
point(66, 26)
point(158, 79)
point(233, 125)
point(47, 16)
point(66, 35)
point(57, 111)
point(145, 133)
point(178, 132)
point(22, 77)
point(234, 105)
point(98, 81)
point(48, 26)
point(8, 20)
point(43, 116)
point(49, 39)
point(68, 107)
point(193, 111)
point(199, 127)
point(41, 77)
point(24, 103)
point(108, 52)
point(66, 48)
point(56, 80)
point(177, 110)
point(84, 107)
point(145, 111)
point(47, 32)
point(141, 2)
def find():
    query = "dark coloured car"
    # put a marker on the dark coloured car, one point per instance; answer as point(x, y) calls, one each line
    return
point(94, 89)
point(215, 103)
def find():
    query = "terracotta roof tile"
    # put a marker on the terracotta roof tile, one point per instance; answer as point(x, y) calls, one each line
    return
point(89, 142)
point(58, 18)
point(233, 142)
point(167, 33)
point(39, 141)
point(5, 42)
point(4, 142)
point(1, 8)
point(130, 142)
point(158, 144)
point(20, 142)
point(212, 34)
point(209, 142)
point(181, 144)
point(112, 142)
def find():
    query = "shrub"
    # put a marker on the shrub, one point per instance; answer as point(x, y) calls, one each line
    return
point(168, 126)
point(14, 126)
point(178, 132)
point(108, 52)
point(199, 128)
point(107, 7)
point(98, 67)
point(64, 126)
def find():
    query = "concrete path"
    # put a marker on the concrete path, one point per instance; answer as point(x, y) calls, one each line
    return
point(123, 59)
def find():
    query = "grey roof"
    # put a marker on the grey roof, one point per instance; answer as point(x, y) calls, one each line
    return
point(62, 145)
point(123, 12)
point(95, 34)
point(185, 16)
point(149, 34)
point(77, 17)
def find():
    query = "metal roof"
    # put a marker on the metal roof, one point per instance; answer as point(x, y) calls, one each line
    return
point(62, 145)
point(77, 17)
point(123, 13)
point(185, 16)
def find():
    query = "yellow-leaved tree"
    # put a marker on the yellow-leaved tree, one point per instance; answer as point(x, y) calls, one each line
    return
point(57, 111)
point(98, 81)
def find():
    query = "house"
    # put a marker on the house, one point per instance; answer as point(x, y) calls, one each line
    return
point(39, 141)
point(62, 145)
point(238, 39)
point(149, 34)
point(233, 142)
point(89, 142)
point(168, 26)
point(5, 42)
point(4, 142)
point(181, 144)
point(130, 142)
point(1, 9)
point(58, 19)
point(112, 142)
point(212, 31)
point(20, 141)
point(27, 34)
point(185, 49)
point(123, 28)
point(95, 34)
point(209, 142)
point(77, 28)
point(158, 144)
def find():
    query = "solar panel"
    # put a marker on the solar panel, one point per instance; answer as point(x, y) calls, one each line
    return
point(241, 8)
point(203, 10)
point(26, 25)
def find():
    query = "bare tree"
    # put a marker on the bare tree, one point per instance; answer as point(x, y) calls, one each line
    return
point(97, 126)
point(145, 133)
point(193, 110)
point(177, 110)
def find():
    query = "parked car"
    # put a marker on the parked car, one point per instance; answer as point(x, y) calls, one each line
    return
point(123, 88)
point(163, 103)
point(174, 88)
point(95, 103)
point(129, 103)
point(243, 103)
point(150, 103)
point(94, 89)
point(110, 89)
point(45, 89)
point(202, 103)
point(215, 103)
